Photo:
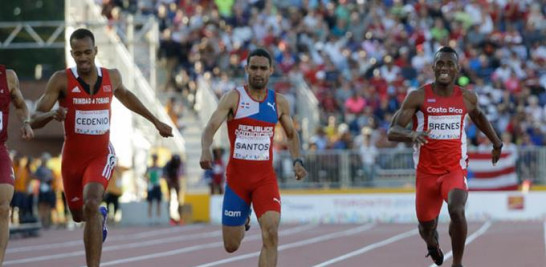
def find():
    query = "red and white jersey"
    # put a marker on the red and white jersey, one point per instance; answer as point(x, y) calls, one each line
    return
point(445, 118)
point(87, 123)
point(251, 133)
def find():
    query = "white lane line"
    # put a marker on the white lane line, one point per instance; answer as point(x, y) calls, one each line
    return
point(295, 244)
point(137, 243)
point(469, 240)
point(369, 248)
point(66, 244)
point(258, 236)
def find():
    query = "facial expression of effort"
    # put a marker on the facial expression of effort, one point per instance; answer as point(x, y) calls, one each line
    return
point(258, 70)
point(84, 52)
point(446, 68)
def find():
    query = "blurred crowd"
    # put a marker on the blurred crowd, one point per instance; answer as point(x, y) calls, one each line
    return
point(361, 57)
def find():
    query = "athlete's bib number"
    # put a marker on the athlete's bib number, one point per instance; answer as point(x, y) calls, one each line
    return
point(252, 148)
point(92, 122)
point(444, 127)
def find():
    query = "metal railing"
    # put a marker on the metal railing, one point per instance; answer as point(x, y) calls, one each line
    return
point(392, 168)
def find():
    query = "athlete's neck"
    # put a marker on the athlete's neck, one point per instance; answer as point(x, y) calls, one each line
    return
point(89, 77)
point(442, 89)
point(257, 93)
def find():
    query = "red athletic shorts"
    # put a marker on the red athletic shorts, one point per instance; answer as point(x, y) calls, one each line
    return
point(78, 171)
point(242, 190)
point(432, 189)
point(6, 169)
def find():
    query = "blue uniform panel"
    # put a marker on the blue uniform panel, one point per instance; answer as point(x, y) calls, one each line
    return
point(234, 209)
point(268, 109)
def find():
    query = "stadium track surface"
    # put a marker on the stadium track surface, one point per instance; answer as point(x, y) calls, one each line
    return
point(383, 244)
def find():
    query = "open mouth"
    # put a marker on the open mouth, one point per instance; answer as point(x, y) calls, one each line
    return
point(444, 76)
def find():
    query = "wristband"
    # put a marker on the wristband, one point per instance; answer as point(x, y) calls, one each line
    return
point(27, 121)
point(296, 161)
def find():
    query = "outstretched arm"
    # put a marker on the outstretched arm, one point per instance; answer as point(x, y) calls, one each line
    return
point(227, 104)
point(43, 114)
point(18, 101)
point(292, 136)
point(130, 101)
point(483, 124)
point(401, 119)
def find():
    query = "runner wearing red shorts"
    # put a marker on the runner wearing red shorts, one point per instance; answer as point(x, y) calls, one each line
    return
point(438, 111)
point(252, 112)
point(85, 95)
point(9, 93)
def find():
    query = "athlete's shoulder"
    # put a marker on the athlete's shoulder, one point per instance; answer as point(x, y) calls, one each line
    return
point(11, 75)
point(59, 77)
point(113, 73)
point(280, 97)
point(417, 94)
point(230, 98)
point(469, 95)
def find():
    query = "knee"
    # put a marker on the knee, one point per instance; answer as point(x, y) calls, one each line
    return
point(91, 207)
point(4, 210)
point(231, 246)
point(270, 236)
point(77, 217)
point(427, 227)
point(456, 212)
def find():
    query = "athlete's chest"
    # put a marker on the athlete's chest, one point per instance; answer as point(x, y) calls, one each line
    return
point(444, 117)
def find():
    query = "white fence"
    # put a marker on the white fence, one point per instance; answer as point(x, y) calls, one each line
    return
point(393, 167)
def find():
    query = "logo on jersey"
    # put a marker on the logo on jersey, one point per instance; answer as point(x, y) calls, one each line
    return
point(277, 200)
point(232, 213)
point(271, 105)
point(431, 100)
point(1, 91)
point(76, 90)
point(245, 105)
point(445, 110)
point(107, 88)
point(74, 199)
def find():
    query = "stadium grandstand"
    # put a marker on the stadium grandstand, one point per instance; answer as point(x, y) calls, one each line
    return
point(358, 59)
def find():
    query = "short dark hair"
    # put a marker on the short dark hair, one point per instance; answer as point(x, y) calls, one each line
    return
point(259, 52)
point(82, 33)
point(446, 49)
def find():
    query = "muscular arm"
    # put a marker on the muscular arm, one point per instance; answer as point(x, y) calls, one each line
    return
point(227, 104)
point(43, 114)
point(477, 116)
point(398, 131)
point(291, 134)
point(18, 101)
point(130, 101)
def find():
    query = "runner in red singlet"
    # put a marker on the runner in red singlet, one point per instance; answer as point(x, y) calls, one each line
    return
point(252, 112)
point(85, 95)
point(438, 111)
point(9, 93)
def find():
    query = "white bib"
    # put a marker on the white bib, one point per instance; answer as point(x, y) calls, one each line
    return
point(444, 127)
point(252, 148)
point(92, 122)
